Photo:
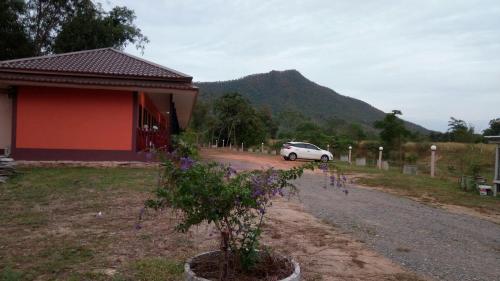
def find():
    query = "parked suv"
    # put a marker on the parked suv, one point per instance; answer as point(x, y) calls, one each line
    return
point(302, 150)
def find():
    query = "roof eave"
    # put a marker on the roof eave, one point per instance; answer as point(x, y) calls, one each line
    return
point(186, 79)
point(26, 79)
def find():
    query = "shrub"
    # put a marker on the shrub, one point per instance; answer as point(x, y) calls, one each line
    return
point(185, 144)
point(235, 203)
point(411, 158)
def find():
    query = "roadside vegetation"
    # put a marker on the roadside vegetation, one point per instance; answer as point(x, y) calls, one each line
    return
point(233, 119)
point(439, 190)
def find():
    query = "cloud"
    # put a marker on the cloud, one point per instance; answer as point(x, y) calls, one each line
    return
point(431, 59)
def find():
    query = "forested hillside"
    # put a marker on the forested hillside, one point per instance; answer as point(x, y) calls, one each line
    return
point(290, 91)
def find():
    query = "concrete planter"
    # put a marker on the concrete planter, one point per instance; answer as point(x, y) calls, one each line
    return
point(191, 276)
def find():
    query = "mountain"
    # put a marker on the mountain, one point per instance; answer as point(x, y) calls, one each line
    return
point(290, 90)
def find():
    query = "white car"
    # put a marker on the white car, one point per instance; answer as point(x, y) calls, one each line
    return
point(302, 150)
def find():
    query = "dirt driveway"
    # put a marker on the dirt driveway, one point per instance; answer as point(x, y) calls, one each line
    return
point(424, 239)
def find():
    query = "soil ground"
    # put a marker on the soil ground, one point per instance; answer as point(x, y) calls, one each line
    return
point(425, 238)
point(80, 223)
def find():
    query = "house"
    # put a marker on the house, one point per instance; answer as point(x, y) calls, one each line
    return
point(95, 105)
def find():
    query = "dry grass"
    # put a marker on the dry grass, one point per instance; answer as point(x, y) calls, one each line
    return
point(51, 230)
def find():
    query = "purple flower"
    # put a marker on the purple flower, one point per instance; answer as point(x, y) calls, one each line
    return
point(257, 192)
point(141, 213)
point(332, 180)
point(186, 163)
point(324, 167)
point(230, 171)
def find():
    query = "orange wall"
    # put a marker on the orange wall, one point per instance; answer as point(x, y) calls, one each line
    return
point(67, 118)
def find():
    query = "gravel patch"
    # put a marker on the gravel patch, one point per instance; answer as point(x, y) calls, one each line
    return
point(425, 239)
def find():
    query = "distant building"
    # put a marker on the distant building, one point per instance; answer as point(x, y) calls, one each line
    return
point(95, 105)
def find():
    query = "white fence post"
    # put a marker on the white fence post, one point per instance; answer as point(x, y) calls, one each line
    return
point(379, 164)
point(433, 160)
point(349, 159)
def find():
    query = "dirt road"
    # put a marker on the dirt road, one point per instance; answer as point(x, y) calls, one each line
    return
point(424, 239)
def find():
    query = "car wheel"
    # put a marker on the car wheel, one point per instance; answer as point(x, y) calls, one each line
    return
point(292, 156)
point(324, 158)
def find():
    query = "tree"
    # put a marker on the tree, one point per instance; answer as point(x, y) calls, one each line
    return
point(92, 28)
point(15, 41)
point(201, 116)
point(356, 132)
point(269, 122)
point(42, 27)
point(289, 120)
point(439, 137)
point(460, 131)
point(311, 132)
point(44, 19)
point(393, 131)
point(237, 121)
point(494, 129)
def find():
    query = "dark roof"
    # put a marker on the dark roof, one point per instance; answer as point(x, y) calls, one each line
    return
point(98, 62)
point(28, 78)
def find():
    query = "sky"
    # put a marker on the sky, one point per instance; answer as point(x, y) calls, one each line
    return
point(429, 59)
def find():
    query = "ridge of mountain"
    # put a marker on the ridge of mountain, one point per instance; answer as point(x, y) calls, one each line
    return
point(290, 90)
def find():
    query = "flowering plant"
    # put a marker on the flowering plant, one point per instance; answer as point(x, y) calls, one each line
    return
point(234, 202)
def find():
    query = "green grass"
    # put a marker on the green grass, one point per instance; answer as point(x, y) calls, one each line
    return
point(158, 269)
point(453, 159)
point(59, 258)
point(437, 190)
point(42, 184)
point(93, 276)
point(8, 274)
